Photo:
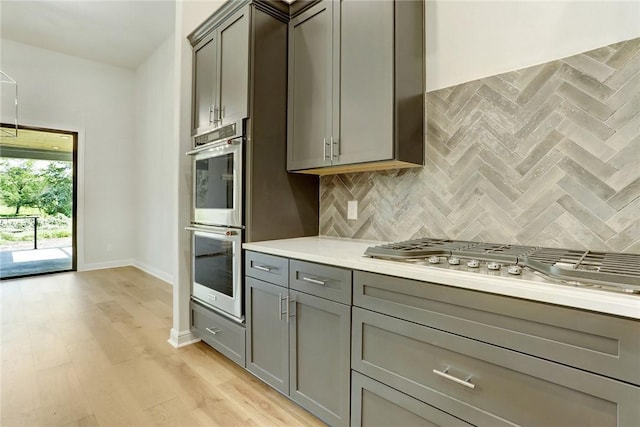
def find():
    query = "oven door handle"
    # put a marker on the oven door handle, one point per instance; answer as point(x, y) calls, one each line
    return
point(225, 232)
point(219, 143)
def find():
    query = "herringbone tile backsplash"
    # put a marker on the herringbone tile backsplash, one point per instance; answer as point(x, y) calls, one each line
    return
point(548, 155)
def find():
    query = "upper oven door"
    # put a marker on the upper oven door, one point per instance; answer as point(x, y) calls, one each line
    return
point(217, 184)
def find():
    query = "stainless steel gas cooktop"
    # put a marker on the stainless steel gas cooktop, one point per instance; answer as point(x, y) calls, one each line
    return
point(619, 272)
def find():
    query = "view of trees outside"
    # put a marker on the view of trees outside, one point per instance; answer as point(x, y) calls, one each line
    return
point(35, 188)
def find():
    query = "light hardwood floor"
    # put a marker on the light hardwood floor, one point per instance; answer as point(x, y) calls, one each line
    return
point(90, 349)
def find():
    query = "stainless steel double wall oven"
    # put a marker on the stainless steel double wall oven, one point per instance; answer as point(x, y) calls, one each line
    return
point(217, 220)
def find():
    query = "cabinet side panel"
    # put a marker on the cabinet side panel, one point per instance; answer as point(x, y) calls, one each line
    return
point(279, 204)
point(410, 80)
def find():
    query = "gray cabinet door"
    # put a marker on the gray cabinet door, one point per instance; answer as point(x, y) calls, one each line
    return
point(310, 88)
point(377, 405)
point(204, 83)
point(364, 125)
point(233, 57)
point(267, 333)
point(320, 339)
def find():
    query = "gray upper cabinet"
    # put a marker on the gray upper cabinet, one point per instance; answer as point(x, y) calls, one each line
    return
point(364, 118)
point(204, 83)
point(356, 86)
point(234, 67)
point(221, 74)
point(309, 112)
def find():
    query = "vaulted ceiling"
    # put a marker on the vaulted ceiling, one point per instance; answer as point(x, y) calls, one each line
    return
point(121, 33)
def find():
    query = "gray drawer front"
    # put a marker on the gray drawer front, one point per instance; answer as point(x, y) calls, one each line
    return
point(509, 388)
point(375, 404)
point(333, 283)
point(219, 332)
point(595, 342)
point(269, 268)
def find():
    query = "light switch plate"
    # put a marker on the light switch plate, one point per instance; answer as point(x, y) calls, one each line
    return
point(352, 209)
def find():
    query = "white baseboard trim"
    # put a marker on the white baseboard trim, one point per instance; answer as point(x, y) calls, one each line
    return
point(154, 272)
point(108, 264)
point(182, 338)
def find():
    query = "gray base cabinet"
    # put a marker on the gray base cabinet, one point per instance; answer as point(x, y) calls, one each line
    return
point(493, 361)
point(364, 349)
point(300, 342)
point(377, 405)
point(483, 384)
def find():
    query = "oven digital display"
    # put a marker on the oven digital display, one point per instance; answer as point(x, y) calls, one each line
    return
point(214, 182)
point(214, 264)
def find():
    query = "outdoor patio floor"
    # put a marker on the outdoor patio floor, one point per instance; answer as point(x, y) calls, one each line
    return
point(19, 263)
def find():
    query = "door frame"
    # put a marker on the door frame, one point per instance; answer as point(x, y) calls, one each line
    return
point(74, 183)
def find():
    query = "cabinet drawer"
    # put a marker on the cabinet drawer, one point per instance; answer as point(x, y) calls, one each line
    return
point(219, 332)
point(333, 283)
point(375, 404)
point(269, 268)
point(484, 384)
point(599, 343)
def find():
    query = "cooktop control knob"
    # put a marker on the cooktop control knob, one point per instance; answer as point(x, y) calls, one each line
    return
point(434, 260)
point(516, 270)
point(473, 263)
point(493, 266)
point(454, 261)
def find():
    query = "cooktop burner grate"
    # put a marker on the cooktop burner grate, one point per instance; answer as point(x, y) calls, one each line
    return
point(620, 270)
point(417, 248)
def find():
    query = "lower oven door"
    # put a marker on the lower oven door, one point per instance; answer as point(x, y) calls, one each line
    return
point(217, 269)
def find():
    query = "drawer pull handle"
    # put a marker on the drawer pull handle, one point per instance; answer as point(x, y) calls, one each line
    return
point(314, 281)
point(262, 268)
point(466, 383)
point(212, 331)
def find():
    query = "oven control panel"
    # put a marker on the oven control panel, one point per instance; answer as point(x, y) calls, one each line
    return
point(215, 135)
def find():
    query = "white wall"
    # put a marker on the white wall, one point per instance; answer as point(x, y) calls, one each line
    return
point(97, 100)
point(155, 220)
point(468, 40)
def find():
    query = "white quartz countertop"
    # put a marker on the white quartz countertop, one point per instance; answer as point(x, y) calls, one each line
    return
point(348, 253)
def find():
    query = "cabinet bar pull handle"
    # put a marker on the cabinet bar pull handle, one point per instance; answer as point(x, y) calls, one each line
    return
point(262, 268)
point(287, 298)
point(334, 142)
point(216, 113)
point(210, 111)
point(280, 306)
point(466, 383)
point(324, 148)
point(314, 281)
point(212, 331)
